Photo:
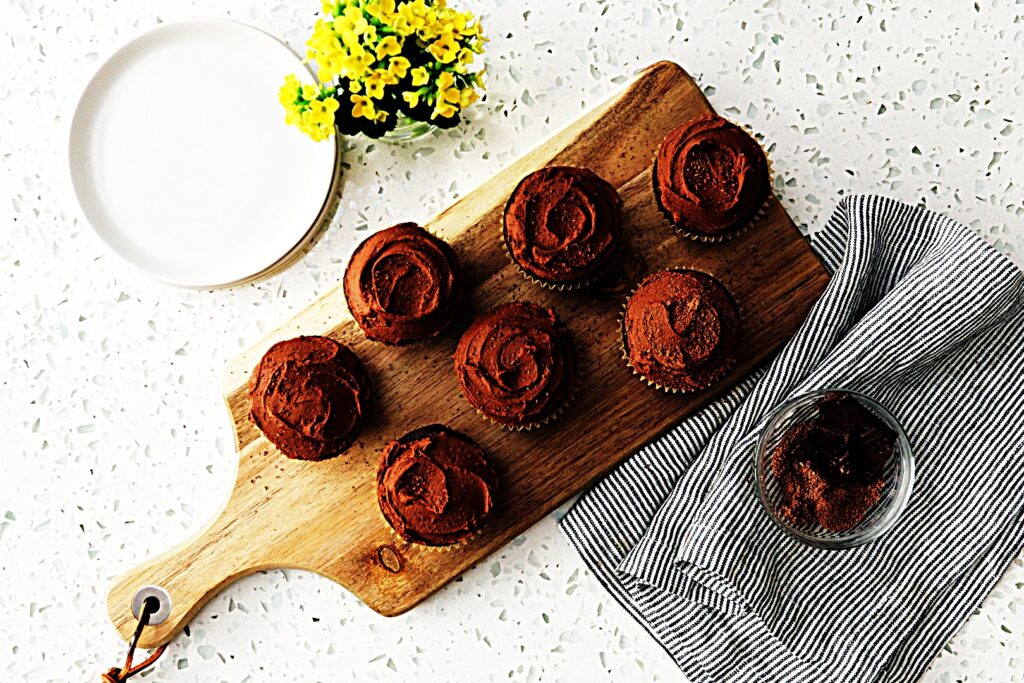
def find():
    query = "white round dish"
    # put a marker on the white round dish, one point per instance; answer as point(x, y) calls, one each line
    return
point(181, 159)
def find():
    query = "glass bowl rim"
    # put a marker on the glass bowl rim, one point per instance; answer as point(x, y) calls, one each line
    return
point(896, 506)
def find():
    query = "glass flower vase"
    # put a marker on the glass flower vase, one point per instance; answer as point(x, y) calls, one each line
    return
point(408, 130)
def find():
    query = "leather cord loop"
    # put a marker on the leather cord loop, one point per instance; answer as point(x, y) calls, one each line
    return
point(122, 674)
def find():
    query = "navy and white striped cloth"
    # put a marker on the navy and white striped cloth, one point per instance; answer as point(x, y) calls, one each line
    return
point(920, 314)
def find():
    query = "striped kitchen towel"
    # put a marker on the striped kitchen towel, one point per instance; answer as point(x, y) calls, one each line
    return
point(920, 314)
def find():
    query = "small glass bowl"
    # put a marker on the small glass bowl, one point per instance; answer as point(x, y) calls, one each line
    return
point(898, 474)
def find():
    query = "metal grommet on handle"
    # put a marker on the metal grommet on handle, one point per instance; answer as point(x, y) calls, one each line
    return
point(163, 599)
point(151, 605)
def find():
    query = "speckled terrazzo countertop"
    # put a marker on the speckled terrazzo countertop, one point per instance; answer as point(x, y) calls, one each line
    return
point(117, 443)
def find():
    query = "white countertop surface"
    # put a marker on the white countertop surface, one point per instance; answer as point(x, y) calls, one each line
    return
point(118, 444)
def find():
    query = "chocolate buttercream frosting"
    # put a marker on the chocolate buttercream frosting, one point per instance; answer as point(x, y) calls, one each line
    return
point(310, 396)
point(516, 364)
point(562, 224)
point(710, 177)
point(435, 486)
point(681, 329)
point(831, 468)
point(403, 284)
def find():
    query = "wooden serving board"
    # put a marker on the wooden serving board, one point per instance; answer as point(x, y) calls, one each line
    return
point(324, 517)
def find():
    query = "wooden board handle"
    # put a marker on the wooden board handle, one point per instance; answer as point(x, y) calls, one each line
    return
point(196, 570)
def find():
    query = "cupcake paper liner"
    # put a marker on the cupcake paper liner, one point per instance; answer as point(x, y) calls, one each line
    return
point(530, 425)
point(403, 542)
point(623, 346)
point(758, 216)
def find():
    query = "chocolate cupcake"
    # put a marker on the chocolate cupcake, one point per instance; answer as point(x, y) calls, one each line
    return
point(403, 284)
point(517, 365)
point(680, 330)
point(562, 225)
point(710, 178)
point(435, 486)
point(310, 396)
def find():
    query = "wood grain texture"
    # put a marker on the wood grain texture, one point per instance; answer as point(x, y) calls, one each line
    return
point(324, 516)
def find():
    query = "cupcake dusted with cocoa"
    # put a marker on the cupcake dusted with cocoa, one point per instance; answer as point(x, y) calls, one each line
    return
point(403, 284)
point(710, 178)
point(435, 486)
point(516, 364)
point(562, 225)
point(310, 396)
point(680, 330)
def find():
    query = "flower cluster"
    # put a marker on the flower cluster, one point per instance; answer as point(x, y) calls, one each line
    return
point(377, 59)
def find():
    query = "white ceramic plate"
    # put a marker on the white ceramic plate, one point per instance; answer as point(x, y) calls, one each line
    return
point(181, 159)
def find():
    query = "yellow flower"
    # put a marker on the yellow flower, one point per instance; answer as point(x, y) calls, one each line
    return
point(382, 10)
point(443, 109)
point(363, 106)
point(412, 98)
point(464, 59)
point(410, 17)
point(388, 47)
point(448, 21)
point(329, 68)
point(287, 94)
point(445, 49)
point(446, 90)
point(398, 67)
point(308, 108)
point(350, 25)
point(467, 26)
point(376, 81)
point(358, 64)
point(324, 108)
point(375, 85)
point(432, 27)
point(326, 50)
point(467, 97)
point(420, 76)
point(318, 125)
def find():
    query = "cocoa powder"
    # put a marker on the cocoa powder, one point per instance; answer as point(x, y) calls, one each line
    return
point(831, 467)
